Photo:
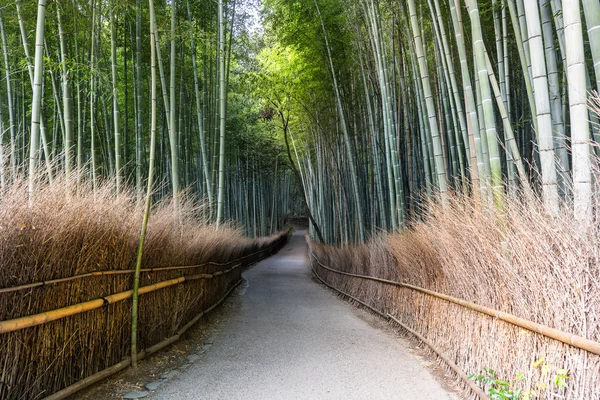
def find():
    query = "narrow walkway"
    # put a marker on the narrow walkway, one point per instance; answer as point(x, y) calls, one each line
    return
point(294, 339)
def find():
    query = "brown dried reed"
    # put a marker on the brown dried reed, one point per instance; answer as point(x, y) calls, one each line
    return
point(518, 260)
point(63, 235)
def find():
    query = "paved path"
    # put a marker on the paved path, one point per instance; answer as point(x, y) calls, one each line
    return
point(291, 338)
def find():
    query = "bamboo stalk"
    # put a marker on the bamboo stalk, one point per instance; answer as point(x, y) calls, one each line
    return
point(222, 116)
point(36, 104)
point(11, 109)
point(115, 100)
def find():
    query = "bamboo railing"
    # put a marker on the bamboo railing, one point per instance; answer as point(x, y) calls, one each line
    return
point(552, 333)
point(28, 321)
point(53, 315)
point(460, 373)
point(105, 373)
point(127, 271)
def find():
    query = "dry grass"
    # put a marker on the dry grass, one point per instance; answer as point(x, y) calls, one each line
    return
point(519, 261)
point(62, 236)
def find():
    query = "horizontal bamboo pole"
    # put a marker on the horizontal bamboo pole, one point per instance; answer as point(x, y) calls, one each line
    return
point(130, 271)
point(48, 316)
point(90, 380)
point(16, 324)
point(95, 273)
point(552, 333)
point(476, 389)
point(105, 373)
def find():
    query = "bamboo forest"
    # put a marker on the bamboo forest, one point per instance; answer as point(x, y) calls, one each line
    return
point(300, 199)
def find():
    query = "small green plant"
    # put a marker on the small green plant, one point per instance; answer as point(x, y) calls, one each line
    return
point(502, 389)
point(499, 389)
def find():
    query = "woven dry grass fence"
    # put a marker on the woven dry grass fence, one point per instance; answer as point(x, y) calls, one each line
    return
point(521, 262)
point(64, 236)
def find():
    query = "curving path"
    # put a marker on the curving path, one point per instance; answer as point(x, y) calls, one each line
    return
point(291, 338)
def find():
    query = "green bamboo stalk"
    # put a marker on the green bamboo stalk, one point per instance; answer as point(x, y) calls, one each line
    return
point(161, 73)
point(449, 67)
point(525, 65)
point(390, 125)
point(138, 265)
point(372, 132)
point(221, 188)
point(427, 93)
point(451, 99)
point(369, 10)
point(486, 100)
point(93, 99)
point(350, 154)
point(115, 98)
point(423, 127)
point(139, 128)
point(513, 152)
point(500, 31)
point(478, 170)
point(30, 69)
point(10, 105)
point(200, 116)
point(173, 139)
point(544, 116)
point(23, 31)
point(2, 162)
point(67, 97)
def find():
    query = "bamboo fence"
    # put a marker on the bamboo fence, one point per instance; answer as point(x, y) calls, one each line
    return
point(54, 353)
point(464, 334)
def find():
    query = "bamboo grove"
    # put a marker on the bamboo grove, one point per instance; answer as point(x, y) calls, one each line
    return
point(75, 99)
point(360, 108)
point(420, 98)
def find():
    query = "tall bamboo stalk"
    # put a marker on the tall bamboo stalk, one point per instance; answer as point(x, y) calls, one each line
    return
point(173, 137)
point(222, 102)
point(10, 105)
point(200, 116)
point(348, 146)
point(67, 97)
point(542, 100)
point(37, 96)
point(431, 114)
point(115, 98)
point(580, 128)
point(138, 265)
point(556, 101)
point(486, 100)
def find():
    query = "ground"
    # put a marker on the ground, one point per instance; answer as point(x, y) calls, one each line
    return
point(282, 336)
